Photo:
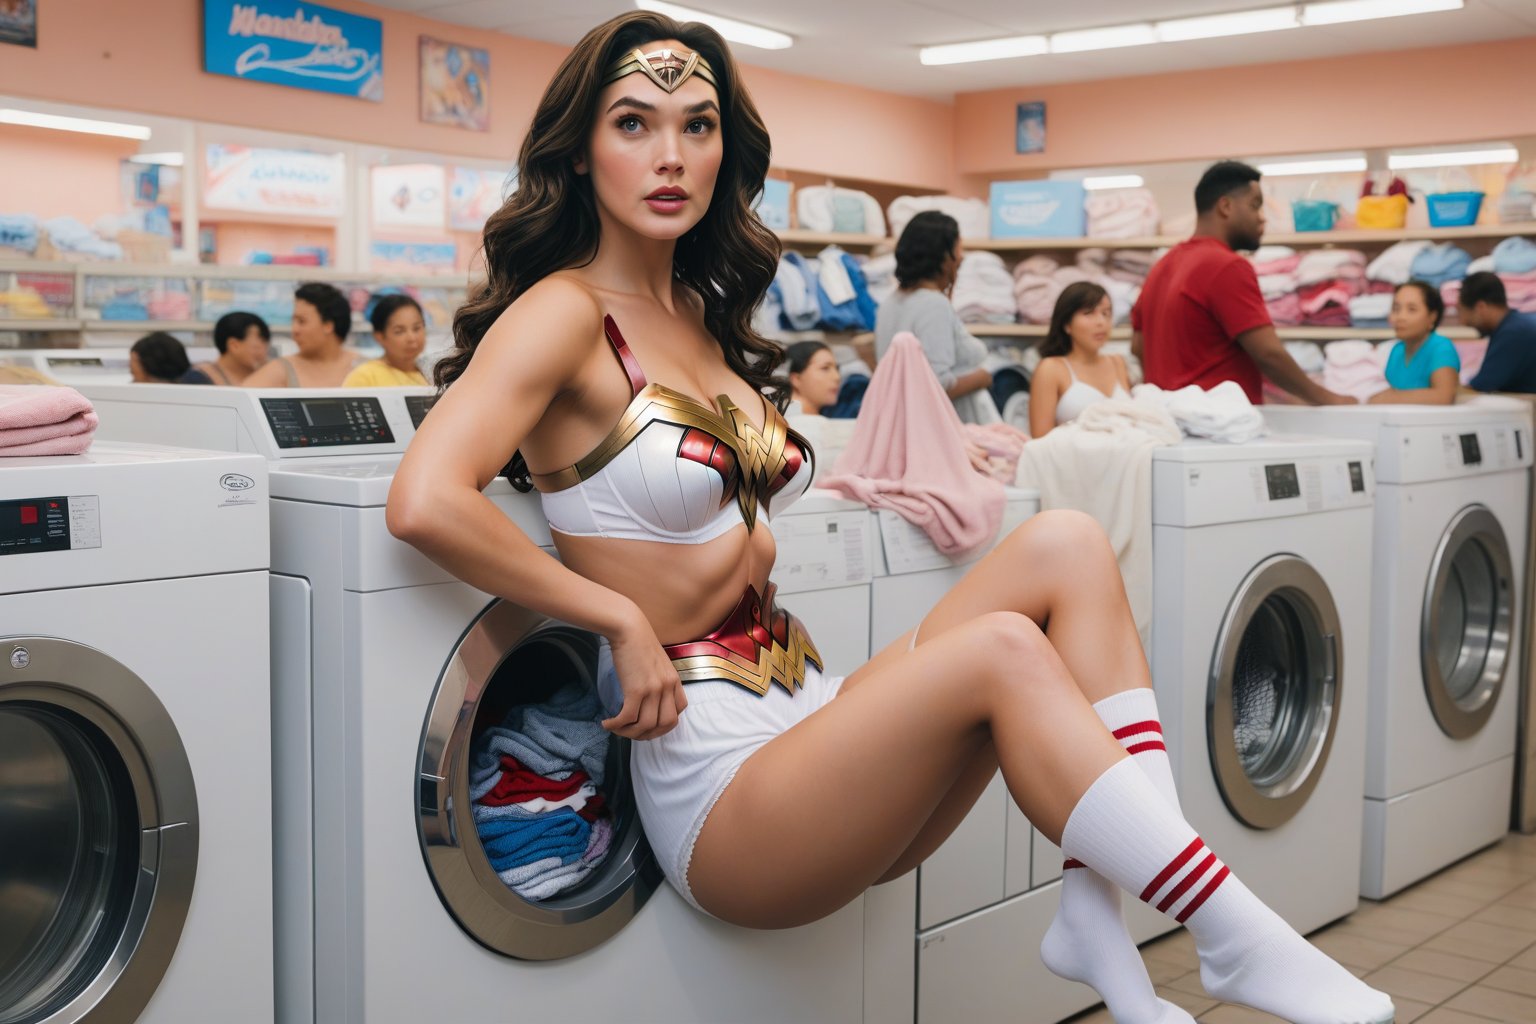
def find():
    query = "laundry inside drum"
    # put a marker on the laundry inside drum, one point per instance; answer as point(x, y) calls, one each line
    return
point(1274, 695)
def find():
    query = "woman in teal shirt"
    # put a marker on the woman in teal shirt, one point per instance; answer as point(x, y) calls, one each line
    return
point(1423, 367)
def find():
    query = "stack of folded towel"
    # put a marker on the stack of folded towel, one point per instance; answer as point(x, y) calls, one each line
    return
point(984, 290)
point(1121, 213)
point(1326, 281)
point(45, 421)
point(536, 785)
point(1276, 266)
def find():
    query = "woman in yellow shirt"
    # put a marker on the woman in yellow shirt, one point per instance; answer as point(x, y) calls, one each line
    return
point(401, 330)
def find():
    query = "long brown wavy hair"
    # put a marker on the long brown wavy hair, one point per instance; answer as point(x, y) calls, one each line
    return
point(550, 221)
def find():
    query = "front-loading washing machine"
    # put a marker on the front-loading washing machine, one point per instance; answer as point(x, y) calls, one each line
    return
point(1261, 558)
point(1452, 510)
point(383, 666)
point(135, 790)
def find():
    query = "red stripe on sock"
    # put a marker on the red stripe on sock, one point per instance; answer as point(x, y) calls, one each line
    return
point(1141, 748)
point(1151, 725)
point(1069, 864)
point(1173, 866)
point(1189, 880)
point(1194, 904)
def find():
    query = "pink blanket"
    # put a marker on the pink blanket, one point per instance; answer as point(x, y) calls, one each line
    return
point(908, 455)
point(44, 421)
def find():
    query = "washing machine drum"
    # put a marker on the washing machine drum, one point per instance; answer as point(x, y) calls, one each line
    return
point(98, 835)
point(1273, 695)
point(1464, 633)
point(507, 659)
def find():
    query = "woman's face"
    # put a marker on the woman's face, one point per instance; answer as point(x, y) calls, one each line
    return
point(952, 262)
point(251, 351)
point(816, 386)
point(136, 370)
point(1089, 328)
point(653, 156)
point(1410, 317)
point(310, 333)
point(403, 337)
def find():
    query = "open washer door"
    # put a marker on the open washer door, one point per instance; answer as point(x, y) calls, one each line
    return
point(98, 835)
point(1273, 701)
point(512, 653)
point(1464, 634)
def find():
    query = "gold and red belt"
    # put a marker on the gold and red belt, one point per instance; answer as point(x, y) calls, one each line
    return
point(757, 645)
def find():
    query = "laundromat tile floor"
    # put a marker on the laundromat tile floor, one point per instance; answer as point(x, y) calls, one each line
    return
point(1458, 948)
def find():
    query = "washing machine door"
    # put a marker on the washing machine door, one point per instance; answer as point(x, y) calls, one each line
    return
point(1464, 633)
point(1273, 697)
point(98, 835)
point(508, 649)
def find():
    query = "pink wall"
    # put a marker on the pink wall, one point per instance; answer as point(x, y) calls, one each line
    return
point(56, 174)
point(116, 54)
point(1402, 98)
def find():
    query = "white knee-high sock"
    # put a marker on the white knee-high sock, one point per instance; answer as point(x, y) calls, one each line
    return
point(1124, 830)
point(1088, 941)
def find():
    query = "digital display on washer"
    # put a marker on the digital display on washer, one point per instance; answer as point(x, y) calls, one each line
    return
point(1283, 481)
point(1357, 478)
point(326, 422)
point(34, 524)
point(1471, 454)
point(418, 406)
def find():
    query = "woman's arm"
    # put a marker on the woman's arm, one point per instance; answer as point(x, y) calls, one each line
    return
point(1044, 394)
point(529, 356)
point(975, 380)
point(1443, 384)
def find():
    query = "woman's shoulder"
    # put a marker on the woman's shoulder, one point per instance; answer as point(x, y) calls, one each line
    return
point(559, 308)
point(1050, 370)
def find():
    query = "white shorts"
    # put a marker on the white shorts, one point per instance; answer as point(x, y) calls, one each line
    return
point(679, 776)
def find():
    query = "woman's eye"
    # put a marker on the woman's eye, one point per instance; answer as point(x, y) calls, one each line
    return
point(700, 126)
point(629, 124)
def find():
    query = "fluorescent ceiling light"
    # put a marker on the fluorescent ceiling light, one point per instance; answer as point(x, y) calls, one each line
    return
point(1339, 11)
point(32, 119)
point(1113, 181)
point(164, 159)
point(1466, 158)
point(1342, 165)
point(1241, 23)
point(735, 31)
point(987, 49)
point(1110, 38)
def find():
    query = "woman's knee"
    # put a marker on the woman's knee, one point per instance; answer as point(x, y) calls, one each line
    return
point(1062, 535)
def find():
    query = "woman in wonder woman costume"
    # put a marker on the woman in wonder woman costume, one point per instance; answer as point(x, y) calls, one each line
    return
point(611, 359)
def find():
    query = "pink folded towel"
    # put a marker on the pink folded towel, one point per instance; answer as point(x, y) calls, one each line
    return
point(44, 421)
point(908, 454)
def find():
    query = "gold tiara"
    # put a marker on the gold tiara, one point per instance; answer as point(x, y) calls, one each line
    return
point(666, 68)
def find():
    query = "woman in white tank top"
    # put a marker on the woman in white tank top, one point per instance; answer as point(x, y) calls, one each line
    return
point(1072, 374)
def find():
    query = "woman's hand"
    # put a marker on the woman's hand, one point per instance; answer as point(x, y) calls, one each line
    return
point(653, 693)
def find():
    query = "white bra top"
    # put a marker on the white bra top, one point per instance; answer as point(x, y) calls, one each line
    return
point(1080, 396)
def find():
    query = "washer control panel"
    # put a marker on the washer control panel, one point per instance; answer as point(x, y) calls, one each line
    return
point(326, 422)
point(53, 523)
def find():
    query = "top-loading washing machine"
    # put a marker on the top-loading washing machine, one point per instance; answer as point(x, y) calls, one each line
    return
point(135, 791)
point(75, 366)
point(384, 668)
point(1451, 518)
point(1261, 556)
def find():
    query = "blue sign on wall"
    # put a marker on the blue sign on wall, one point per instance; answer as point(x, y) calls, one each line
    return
point(292, 43)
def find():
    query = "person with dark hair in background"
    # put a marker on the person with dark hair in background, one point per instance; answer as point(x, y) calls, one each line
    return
point(401, 331)
point(244, 342)
point(158, 358)
point(612, 363)
point(814, 378)
point(928, 258)
point(1201, 318)
point(1510, 364)
point(1423, 367)
point(322, 316)
point(1072, 375)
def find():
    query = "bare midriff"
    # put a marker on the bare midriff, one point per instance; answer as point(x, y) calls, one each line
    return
point(685, 590)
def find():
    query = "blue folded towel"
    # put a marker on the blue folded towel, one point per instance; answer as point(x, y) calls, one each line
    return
point(1438, 264)
point(513, 842)
point(1514, 256)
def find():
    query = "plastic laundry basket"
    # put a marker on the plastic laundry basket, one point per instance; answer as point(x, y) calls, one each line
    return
point(1314, 214)
point(1453, 209)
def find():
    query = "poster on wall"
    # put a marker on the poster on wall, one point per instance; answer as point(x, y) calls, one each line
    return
point(273, 181)
point(1030, 128)
point(411, 257)
point(18, 22)
point(297, 44)
point(474, 196)
point(455, 85)
point(408, 195)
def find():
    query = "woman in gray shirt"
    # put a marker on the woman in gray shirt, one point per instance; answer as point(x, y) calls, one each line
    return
point(927, 262)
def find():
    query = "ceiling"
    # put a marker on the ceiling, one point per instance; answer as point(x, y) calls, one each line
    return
point(874, 43)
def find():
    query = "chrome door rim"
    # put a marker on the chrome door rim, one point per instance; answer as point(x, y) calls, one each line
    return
point(1295, 581)
point(121, 707)
point(471, 892)
point(1473, 524)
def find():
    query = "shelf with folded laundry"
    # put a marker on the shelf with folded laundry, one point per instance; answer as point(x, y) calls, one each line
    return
point(1358, 236)
point(41, 324)
point(549, 784)
point(1286, 333)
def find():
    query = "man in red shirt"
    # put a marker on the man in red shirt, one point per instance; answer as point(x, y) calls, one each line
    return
point(1201, 318)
